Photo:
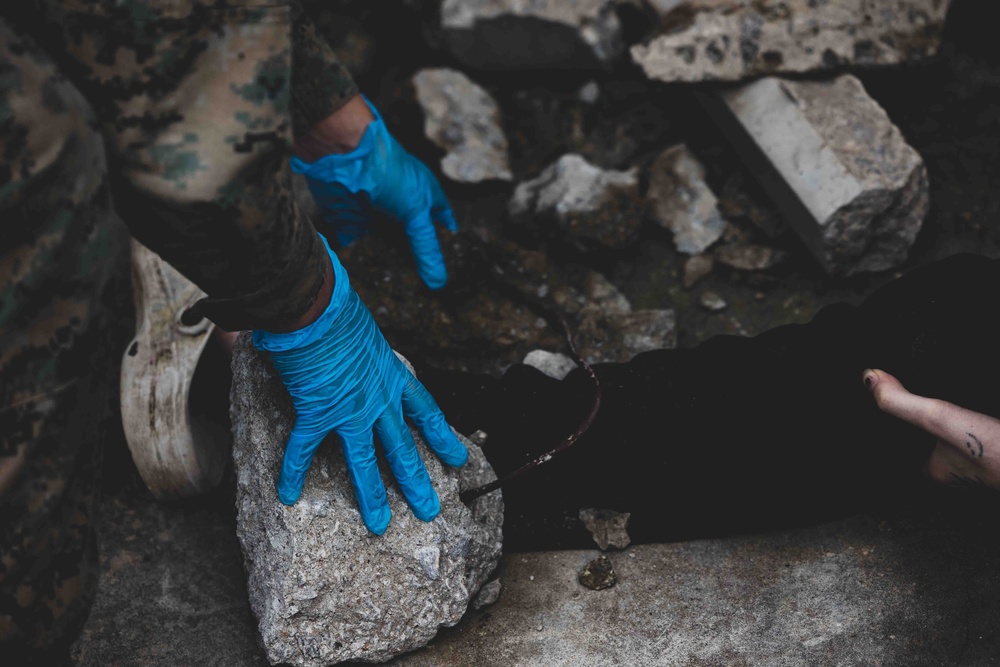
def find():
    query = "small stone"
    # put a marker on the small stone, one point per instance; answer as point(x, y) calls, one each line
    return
point(697, 267)
point(553, 364)
point(598, 574)
point(712, 301)
point(748, 257)
point(682, 202)
point(607, 527)
point(589, 93)
point(487, 595)
point(580, 202)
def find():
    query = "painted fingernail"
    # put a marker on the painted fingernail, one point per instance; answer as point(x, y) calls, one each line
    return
point(868, 375)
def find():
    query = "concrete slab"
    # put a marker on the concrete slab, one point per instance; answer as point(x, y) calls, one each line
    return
point(919, 587)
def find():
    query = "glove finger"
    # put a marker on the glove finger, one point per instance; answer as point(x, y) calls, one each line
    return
point(299, 452)
point(420, 406)
point(440, 208)
point(407, 466)
point(427, 251)
point(362, 467)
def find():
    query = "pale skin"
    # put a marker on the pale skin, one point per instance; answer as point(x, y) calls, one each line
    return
point(967, 450)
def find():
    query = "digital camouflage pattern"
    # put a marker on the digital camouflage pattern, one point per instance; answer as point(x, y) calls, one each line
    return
point(192, 104)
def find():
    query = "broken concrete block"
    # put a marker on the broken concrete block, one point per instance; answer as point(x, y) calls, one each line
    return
point(607, 527)
point(682, 202)
point(838, 169)
point(514, 34)
point(582, 203)
point(463, 119)
point(324, 589)
point(732, 39)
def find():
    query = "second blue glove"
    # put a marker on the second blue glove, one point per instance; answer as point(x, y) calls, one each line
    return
point(395, 183)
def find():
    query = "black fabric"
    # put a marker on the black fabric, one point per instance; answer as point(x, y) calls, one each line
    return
point(740, 434)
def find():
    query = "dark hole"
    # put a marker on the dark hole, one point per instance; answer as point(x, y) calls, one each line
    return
point(190, 317)
point(133, 349)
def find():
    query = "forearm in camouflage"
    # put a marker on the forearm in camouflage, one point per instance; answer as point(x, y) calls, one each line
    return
point(195, 99)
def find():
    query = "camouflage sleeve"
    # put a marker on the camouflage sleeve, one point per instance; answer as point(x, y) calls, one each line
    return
point(195, 100)
point(320, 83)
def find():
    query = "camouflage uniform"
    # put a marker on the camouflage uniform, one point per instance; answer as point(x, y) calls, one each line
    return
point(175, 116)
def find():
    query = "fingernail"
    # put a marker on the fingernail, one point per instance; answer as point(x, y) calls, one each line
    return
point(869, 377)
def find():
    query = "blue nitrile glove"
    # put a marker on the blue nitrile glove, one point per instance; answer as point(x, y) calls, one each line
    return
point(395, 183)
point(343, 377)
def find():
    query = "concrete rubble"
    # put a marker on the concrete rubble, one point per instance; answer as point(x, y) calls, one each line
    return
point(748, 256)
point(527, 34)
point(704, 40)
point(681, 201)
point(324, 590)
point(608, 528)
point(833, 162)
point(462, 118)
point(582, 203)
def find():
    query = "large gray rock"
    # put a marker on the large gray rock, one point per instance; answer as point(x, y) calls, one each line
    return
point(681, 201)
point(583, 203)
point(324, 589)
point(841, 173)
point(525, 34)
point(732, 39)
point(464, 119)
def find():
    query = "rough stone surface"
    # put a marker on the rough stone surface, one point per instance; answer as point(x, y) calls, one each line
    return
point(732, 39)
point(464, 119)
point(581, 202)
point(323, 589)
point(519, 34)
point(608, 528)
point(841, 172)
point(682, 202)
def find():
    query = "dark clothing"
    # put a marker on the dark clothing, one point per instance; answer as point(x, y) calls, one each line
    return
point(740, 433)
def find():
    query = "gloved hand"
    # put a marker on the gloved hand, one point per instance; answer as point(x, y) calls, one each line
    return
point(343, 377)
point(395, 183)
